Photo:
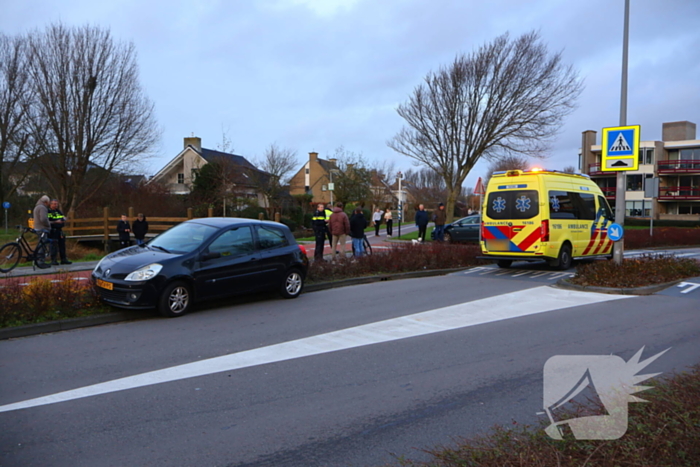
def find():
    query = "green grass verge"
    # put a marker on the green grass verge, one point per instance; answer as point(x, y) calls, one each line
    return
point(414, 235)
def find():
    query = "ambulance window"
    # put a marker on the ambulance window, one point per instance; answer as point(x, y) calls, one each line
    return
point(604, 209)
point(587, 206)
point(561, 206)
point(520, 204)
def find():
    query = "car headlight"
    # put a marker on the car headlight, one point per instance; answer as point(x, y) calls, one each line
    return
point(145, 273)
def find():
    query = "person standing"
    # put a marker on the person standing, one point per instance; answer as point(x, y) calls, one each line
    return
point(339, 225)
point(389, 222)
point(439, 217)
point(377, 219)
point(140, 229)
point(42, 227)
point(124, 229)
point(421, 222)
point(329, 213)
point(58, 239)
point(318, 222)
point(358, 224)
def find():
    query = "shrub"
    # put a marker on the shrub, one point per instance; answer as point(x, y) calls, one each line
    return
point(44, 300)
point(664, 432)
point(636, 272)
point(639, 238)
point(401, 258)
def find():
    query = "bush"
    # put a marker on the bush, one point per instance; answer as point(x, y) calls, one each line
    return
point(636, 272)
point(638, 238)
point(664, 432)
point(44, 300)
point(401, 258)
point(289, 223)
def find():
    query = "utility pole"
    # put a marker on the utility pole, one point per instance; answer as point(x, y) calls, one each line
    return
point(619, 246)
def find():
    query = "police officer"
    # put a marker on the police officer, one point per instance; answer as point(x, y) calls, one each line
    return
point(318, 222)
point(58, 239)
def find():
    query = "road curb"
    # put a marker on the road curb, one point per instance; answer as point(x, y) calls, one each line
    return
point(70, 323)
point(646, 290)
point(115, 317)
point(380, 278)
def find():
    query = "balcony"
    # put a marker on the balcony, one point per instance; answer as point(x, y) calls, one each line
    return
point(678, 166)
point(609, 192)
point(679, 193)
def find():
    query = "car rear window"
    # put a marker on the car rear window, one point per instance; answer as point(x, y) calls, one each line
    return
point(271, 238)
point(516, 204)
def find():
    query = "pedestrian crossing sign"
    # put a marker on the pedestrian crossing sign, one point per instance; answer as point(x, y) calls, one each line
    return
point(620, 148)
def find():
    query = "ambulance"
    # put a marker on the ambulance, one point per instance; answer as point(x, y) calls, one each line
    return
point(544, 215)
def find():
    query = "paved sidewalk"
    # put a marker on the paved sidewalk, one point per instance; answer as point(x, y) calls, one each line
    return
point(30, 271)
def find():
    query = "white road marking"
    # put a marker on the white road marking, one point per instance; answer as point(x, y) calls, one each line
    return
point(691, 286)
point(487, 310)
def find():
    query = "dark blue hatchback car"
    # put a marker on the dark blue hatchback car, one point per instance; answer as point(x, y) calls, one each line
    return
point(202, 259)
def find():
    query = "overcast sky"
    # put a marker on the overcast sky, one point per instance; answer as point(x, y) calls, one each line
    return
point(313, 75)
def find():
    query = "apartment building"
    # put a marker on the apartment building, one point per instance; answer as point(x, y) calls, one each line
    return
point(675, 160)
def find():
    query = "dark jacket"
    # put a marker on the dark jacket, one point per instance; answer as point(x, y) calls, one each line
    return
point(440, 216)
point(339, 224)
point(55, 218)
point(122, 227)
point(358, 224)
point(318, 221)
point(421, 218)
point(140, 228)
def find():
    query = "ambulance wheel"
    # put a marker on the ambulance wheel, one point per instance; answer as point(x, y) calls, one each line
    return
point(504, 263)
point(564, 261)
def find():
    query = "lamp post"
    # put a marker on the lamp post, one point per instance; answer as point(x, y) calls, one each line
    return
point(399, 176)
point(330, 184)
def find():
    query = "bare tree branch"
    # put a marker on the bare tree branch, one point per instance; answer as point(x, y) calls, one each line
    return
point(507, 97)
point(88, 95)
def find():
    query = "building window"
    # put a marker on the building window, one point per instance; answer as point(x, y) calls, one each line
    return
point(638, 208)
point(306, 171)
point(634, 183)
point(181, 179)
point(195, 172)
point(689, 209)
point(646, 155)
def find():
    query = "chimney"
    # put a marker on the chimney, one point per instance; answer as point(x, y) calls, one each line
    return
point(313, 156)
point(195, 142)
point(678, 131)
point(333, 161)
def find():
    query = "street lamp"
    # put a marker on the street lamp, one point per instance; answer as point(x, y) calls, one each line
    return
point(330, 184)
point(399, 176)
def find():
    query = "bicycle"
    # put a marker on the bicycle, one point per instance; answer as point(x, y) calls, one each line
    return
point(367, 245)
point(12, 253)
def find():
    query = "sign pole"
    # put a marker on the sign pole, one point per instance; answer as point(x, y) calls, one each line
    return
point(619, 246)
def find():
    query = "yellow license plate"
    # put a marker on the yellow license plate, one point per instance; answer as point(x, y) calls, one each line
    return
point(105, 285)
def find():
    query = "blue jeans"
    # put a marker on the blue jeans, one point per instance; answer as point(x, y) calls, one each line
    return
point(440, 233)
point(139, 241)
point(358, 246)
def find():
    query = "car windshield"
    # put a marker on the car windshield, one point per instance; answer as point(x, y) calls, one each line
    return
point(183, 238)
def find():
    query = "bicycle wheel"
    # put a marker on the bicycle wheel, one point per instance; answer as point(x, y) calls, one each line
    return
point(10, 254)
point(42, 252)
point(368, 246)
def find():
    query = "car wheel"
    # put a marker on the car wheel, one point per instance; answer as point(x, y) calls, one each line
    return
point(176, 300)
point(504, 263)
point(564, 260)
point(293, 284)
point(448, 237)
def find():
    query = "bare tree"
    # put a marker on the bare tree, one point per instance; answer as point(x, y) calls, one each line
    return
point(426, 186)
point(508, 162)
point(569, 169)
point(90, 109)
point(509, 96)
point(14, 99)
point(276, 164)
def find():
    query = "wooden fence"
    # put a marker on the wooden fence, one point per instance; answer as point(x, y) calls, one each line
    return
point(105, 228)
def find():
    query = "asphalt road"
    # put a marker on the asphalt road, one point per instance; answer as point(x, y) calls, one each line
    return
point(352, 376)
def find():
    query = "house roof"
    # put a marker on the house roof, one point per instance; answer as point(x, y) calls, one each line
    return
point(209, 155)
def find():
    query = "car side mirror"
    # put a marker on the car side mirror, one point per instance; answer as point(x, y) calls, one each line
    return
point(211, 255)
